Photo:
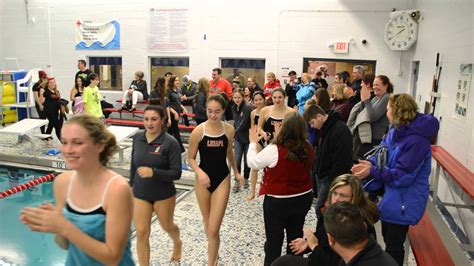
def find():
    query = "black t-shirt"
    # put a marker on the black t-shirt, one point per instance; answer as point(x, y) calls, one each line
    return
point(36, 88)
point(320, 83)
point(84, 75)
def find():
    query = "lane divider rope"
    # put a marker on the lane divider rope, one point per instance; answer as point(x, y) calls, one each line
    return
point(24, 186)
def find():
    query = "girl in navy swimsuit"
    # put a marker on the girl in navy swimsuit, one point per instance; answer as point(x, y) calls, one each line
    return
point(213, 139)
point(273, 114)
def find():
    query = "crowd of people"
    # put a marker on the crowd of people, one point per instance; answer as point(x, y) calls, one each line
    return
point(345, 147)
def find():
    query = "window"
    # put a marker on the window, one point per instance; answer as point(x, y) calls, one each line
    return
point(244, 68)
point(109, 70)
point(332, 66)
point(179, 66)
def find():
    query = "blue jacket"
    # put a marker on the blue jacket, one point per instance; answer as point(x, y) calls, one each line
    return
point(304, 92)
point(406, 174)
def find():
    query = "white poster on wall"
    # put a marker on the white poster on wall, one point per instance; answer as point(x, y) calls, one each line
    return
point(97, 36)
point(462, 94)
point(168, 29)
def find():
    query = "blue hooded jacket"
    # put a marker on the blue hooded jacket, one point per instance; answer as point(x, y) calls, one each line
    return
point(406, 174)
point(304, 92)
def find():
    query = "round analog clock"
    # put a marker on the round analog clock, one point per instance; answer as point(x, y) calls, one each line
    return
point(401, 30)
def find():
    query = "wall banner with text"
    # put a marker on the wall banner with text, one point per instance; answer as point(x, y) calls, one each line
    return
point(97, 36)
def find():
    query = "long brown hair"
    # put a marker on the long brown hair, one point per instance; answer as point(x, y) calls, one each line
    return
point(293, 136)
point(203, 85)
point(323, 99)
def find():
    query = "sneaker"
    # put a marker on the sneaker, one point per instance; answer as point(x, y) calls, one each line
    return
point(133, 109)
point(121, 108)
point(246, 184)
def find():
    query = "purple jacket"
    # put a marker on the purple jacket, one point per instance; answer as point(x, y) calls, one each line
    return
point(406, 174)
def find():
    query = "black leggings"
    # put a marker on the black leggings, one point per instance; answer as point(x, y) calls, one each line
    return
point(55, 120)
point(394, 236)
point(174, 131)
point(280, 215)
point(41, 115)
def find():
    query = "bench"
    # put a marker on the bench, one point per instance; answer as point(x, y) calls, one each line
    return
point(462, 186)
point(139, 123)
point(139, 102)
point(22, 128)
point(428, 247)
point(137, 111)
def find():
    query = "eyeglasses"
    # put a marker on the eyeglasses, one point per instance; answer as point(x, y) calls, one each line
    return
point(340, 195)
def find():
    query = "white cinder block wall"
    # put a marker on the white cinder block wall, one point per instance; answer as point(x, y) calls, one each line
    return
point(246, 29)
point(448, 28)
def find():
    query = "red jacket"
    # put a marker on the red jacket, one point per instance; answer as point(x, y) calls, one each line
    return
point(221, 86)
point(288, 177)
point(269, 87)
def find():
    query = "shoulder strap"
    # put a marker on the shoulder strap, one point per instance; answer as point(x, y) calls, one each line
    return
point(203, 129)
point(69, 186)
point(107, 188)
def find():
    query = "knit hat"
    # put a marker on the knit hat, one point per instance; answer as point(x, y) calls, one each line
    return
point(186, 78)
point(42, 74)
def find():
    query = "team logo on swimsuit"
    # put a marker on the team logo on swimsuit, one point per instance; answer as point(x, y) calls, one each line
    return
point(273, 123)
point(215, 143)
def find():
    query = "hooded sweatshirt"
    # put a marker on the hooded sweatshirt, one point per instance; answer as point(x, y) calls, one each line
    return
point(405, 177)
point(334, 148)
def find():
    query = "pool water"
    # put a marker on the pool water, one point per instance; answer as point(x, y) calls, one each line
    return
point(19, 245)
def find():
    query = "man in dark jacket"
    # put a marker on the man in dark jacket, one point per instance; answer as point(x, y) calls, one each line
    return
point(357, 76)
point(290, 89)
point(188, 90)
point(333, 150)
point(347, 235)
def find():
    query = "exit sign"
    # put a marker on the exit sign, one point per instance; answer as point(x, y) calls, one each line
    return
point(341, 47)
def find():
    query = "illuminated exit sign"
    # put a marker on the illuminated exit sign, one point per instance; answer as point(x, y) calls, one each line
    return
point(341, 47)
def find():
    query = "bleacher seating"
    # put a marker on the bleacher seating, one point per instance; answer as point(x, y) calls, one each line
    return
point(139, 123)
point(428, 247)
point(426, 243)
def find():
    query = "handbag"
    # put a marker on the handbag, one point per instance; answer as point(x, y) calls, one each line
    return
point(380, 152)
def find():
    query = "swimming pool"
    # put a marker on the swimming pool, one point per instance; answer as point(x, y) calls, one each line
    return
point(19, 245)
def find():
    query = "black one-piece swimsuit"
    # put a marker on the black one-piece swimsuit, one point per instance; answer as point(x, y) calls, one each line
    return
point(213, 154)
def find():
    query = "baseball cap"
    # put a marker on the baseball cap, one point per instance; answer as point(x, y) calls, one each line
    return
point(42, 74)
point(186, 78)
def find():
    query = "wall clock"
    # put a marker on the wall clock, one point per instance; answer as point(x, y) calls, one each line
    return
point(401, 30)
